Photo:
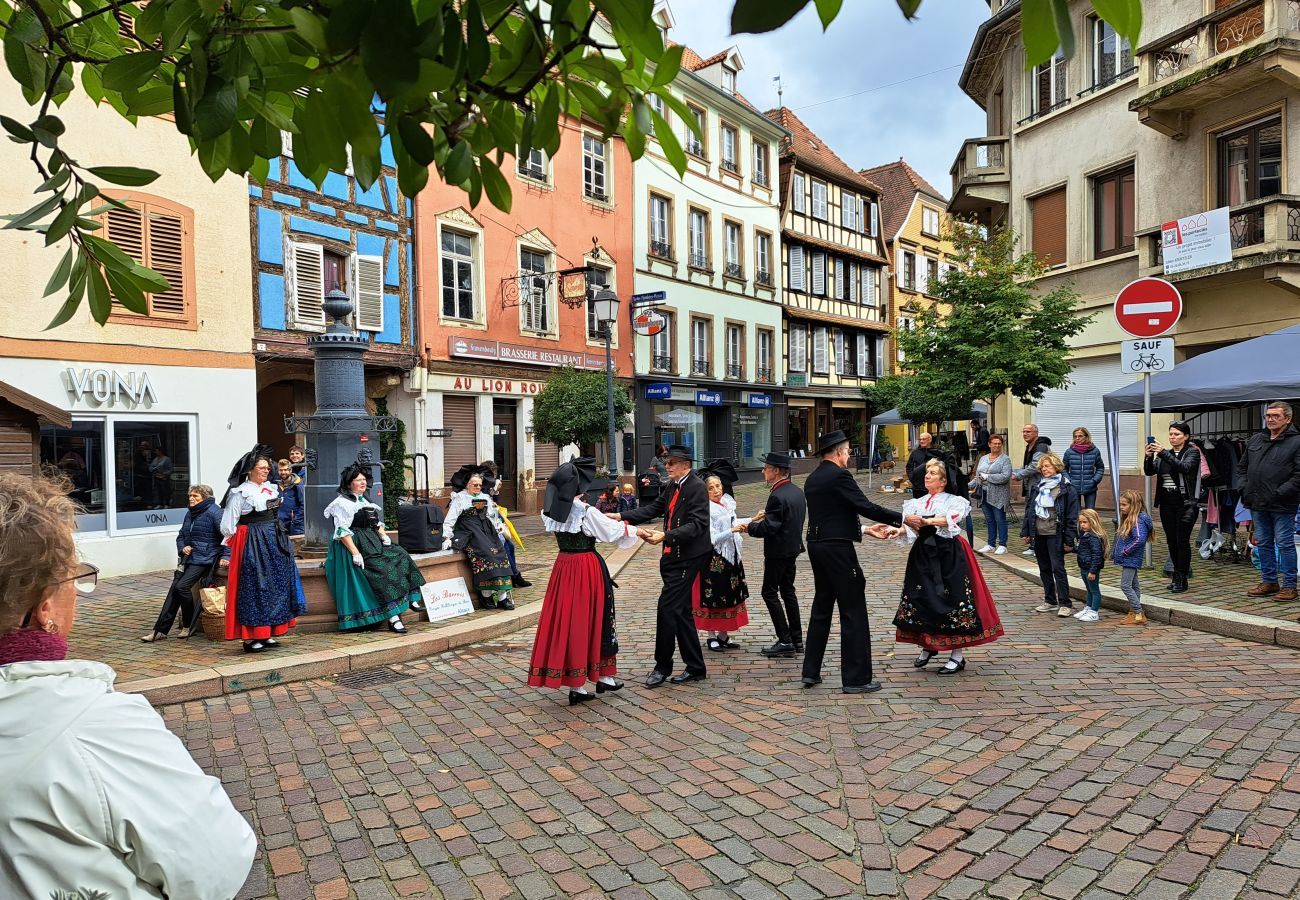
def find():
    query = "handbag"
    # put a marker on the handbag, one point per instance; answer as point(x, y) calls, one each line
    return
point(213, 600)
point(1192, 502)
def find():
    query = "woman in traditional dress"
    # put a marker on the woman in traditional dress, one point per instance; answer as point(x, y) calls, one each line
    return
point(718, 602)
point(264, 594)
point(946, 605)
point(371, 578)
point(475, 531)
point(576, 641)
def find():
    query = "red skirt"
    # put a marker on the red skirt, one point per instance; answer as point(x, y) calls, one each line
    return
point(988, 615)
point(235, 630)
point(566, 651)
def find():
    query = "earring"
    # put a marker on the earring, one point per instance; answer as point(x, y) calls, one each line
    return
point(50, 626)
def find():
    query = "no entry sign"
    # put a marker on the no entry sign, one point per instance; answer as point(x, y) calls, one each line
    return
point(1148, 307)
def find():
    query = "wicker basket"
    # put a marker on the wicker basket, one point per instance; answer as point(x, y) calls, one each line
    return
point(214, 626)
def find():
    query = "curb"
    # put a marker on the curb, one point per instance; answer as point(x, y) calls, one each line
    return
point(263, 672)
point(1193, 616)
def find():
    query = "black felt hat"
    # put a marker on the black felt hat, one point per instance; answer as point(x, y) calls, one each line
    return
point(829, 441)
point(462, 476)
point(724, 470)
point(680, 451)
point(239, 474)
point(780, 460)
point(569, 480)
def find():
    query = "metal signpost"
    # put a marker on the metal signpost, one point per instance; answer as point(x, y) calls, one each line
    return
point(1146, 309)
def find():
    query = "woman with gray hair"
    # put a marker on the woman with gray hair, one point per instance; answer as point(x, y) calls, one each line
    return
point(199, 551)
point(98, 794)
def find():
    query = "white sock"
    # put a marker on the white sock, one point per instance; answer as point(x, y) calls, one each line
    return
point(956, 657)
point(396, 620)
point(578, 690)
point(608, 679)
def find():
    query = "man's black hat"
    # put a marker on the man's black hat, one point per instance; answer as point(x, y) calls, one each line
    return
point(830, 441)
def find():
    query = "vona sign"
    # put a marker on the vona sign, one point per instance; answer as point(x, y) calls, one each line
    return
point(106, 387)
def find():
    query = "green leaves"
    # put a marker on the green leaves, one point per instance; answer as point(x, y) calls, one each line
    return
point(132, 70)
point(759, 16)
point(1125, 16)
point(127, 176)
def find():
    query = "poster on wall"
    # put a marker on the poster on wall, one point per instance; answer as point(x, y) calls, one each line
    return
point(1195, 241)
point(446, 599)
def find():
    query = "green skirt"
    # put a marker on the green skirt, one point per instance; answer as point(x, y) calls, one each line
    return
point(385, 588)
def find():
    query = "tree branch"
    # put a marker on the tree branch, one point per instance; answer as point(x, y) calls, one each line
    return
point(112, 7)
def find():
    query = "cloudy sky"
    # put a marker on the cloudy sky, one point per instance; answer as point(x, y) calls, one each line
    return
point(869, 48)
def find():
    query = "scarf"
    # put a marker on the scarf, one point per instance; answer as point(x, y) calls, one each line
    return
point(1081, 448)
point(32, 645)
point(1044, 503)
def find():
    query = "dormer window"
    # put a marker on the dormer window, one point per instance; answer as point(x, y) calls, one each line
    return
point(729, 80)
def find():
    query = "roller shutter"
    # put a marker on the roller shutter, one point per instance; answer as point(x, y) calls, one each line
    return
point(1060, 412)
point(460, 448)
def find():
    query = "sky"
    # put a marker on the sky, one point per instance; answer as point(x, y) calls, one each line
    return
point(869, 47)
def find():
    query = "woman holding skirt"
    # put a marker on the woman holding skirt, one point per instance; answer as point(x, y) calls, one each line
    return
point(264, 594)
point(945, 605)
point(371, 579)
point(576, 641)
point(718, 602)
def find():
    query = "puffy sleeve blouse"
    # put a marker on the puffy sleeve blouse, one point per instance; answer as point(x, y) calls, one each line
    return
point(246, 498)
point(952, 508)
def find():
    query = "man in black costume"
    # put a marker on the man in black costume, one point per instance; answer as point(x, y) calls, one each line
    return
point(834, 503)
point(684, 506)
point(780, 525)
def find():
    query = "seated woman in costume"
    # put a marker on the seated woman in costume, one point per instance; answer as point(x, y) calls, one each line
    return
point(576, 641)
point(475, 531)
point(945, 605)
point(371, 578)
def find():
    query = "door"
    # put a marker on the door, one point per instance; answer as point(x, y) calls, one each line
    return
point(505, 451)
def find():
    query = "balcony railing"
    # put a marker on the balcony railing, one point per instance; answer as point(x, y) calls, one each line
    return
point(735, 370)
point(701, 367)
point(1201, 61)
point(760, 178)
point(729, 165)
point(981, 178)
point(661, 363)
point(661, 249)
point(734, 270)
point(694, 147)
point(1258, 230)
point(763, 375)
point(763, 277)
point(699, 260)
point(537, 173)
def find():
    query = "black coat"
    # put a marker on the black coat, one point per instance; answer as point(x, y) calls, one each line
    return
point(1269, 472)
point(686, 533)
point(1184, 472)
point(201, 532)
point(782, 527)
point(1067, 514)
point(834, 503)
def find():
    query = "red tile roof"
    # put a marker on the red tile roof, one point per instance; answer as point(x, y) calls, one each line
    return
point(811, 151)
point(899, 184)
point(705, 63)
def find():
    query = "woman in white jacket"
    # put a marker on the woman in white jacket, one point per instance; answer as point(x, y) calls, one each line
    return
point(98, 794)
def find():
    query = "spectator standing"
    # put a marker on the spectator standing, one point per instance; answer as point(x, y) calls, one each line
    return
point(993, 476)
point(916, 460)
point(982, 437)
point(1035, 446)
point(292, 500)
point(1051, 520)
point(1270, 471)
point(1091, 551)
point(1176, 468)
point(608, 500)
point(1135, 528)
point(1084, 466)
point(628, 499)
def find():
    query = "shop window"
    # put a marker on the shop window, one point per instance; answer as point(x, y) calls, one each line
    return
point(80, 454)
point(752, 435)
point(160, 235)
point(684, 424)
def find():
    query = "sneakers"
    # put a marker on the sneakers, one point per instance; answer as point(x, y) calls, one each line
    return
point(987, 548)
point(1029, 552)
point(1000, 551)
point(1083, 613)
point(1044, 607)
point(1064, 612)
point(1088, 615)
point(1134, 618)
point(1263, 589)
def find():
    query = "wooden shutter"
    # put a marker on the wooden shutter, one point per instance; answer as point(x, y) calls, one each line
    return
point(862, 356)
point(923, 274)
point(839, 352)
point(868, 286)
point(461, 447)
point(818, 272)
point(819, 349)
point(125, 227)
point(546, 458)
point(796, 268)
point(798, 337)
point(839, 279)
point(306, 282)
point(797, 187)
point(370, 293)
point(155, 235)
point(1047, 214)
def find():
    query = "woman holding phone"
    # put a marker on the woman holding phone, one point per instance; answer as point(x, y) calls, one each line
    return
point(1175, 468)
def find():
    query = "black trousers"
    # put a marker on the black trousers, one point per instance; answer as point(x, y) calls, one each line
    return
point(181, 597)
point(675, 624)
point(1178, 533)
point(1050, 554)
point(778, 585)
point(838, 582)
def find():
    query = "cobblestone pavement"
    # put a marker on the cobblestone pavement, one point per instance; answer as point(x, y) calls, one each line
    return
point(1068, 760)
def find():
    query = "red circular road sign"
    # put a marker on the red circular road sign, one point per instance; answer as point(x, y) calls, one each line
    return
point(1148, 307)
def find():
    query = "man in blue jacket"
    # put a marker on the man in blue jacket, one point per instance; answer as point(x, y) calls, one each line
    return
point(1270, 473)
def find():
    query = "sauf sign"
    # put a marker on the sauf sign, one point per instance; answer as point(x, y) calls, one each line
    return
point(108, 388)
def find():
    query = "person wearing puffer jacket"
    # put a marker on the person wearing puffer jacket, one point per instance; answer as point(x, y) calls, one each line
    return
point(199, 549)
point(98, 794)
point(1084, 467)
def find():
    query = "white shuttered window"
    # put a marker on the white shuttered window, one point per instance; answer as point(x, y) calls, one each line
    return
point(306, 283)
point(370, 293)
point(796, 268)
point(798, 337)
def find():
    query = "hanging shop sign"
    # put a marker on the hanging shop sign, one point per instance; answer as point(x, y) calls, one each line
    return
point(649, 322)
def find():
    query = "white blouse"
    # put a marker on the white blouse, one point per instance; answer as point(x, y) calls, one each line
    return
point(953, 508)
point(343, 508)
point(246, 498)
point(722, 516)
point(459, 503)
point(593, 523)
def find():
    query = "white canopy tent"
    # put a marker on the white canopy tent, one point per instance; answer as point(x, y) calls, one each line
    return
point(894, 417)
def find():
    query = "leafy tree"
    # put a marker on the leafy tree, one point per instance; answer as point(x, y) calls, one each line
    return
point(571, 409)
point(456, 85)
point(999, 336)
point(392, 453)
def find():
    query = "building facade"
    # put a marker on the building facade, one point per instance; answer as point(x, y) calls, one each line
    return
point(157, 403)
point(1087, 157)
point(308, 242)
point(834, 296)
point(509, 302)
point(708, 243)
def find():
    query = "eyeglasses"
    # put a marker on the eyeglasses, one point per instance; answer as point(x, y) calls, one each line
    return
point(85, 578)
point(1269, 415)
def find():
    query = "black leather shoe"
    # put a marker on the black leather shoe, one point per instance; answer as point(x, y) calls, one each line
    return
point(728, 643)
point(254, 646)
point(869, 688)
point(798, 646)
point(686, 677)
point(271, 644)
point(654, 679)
point(417, 605)
point(506, 604)
point(950, 669)
point(520, 581)
point(924, 659)
point(397, 627)
point(602, 688)
point(778, 650)
point(810, 682)
point(576, 697)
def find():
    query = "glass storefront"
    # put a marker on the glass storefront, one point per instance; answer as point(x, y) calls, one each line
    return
point(127, 473)
point(674, 424)
point(751, 436)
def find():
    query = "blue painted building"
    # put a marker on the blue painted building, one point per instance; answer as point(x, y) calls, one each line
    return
point(307, 242)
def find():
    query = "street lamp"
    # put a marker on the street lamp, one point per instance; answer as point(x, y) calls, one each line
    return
point(605, 305)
